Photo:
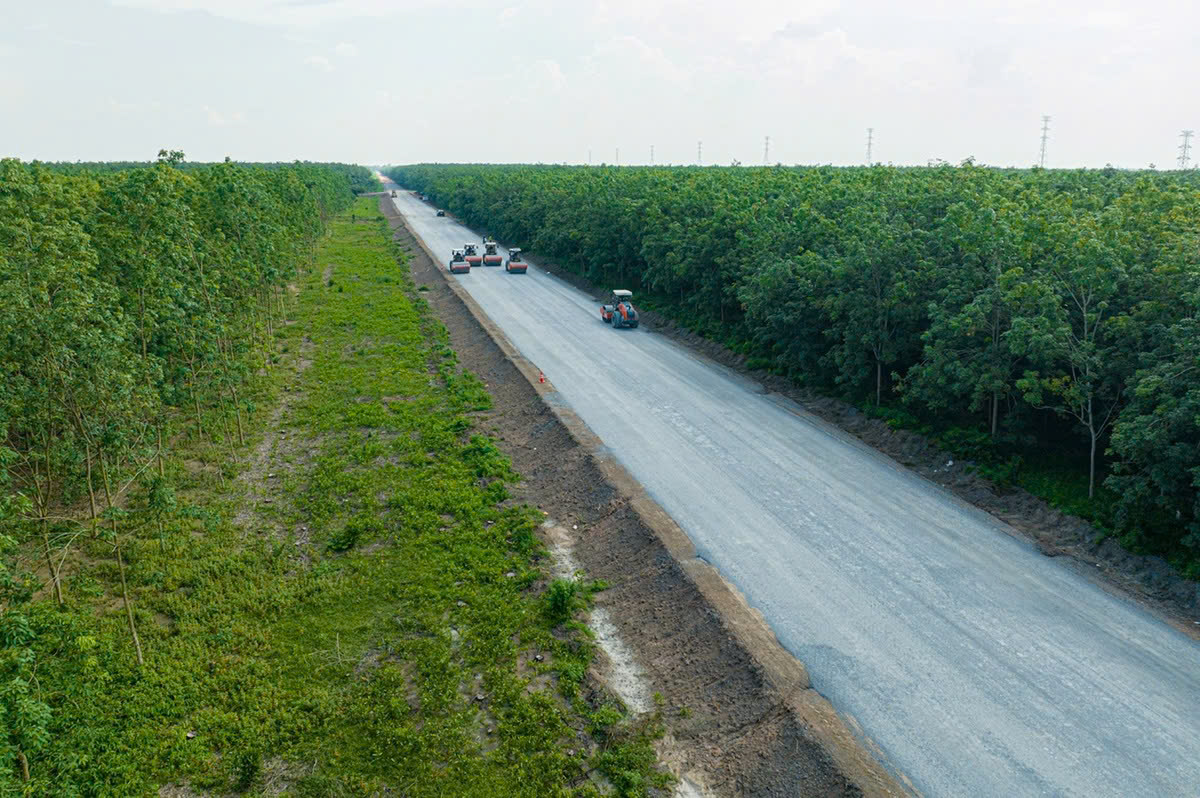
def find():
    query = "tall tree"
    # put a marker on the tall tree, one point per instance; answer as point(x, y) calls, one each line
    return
point(1078, 344)
point(968, 359)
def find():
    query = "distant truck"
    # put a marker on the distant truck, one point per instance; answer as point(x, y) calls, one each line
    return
point(619, 311)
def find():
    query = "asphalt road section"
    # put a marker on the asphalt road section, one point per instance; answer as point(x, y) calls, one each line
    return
point(978, 666)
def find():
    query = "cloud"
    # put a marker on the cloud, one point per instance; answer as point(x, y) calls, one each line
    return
point(319, 62)
point(118, 107)
point(712, 20)
point(648, 62)
point(346, 49)
point(818, 59)
point(549, 74)
point(299, 13)
point(10, 89)
point(218, 119)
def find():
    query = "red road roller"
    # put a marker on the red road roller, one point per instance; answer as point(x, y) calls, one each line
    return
point(458, 263)
point(515, 263)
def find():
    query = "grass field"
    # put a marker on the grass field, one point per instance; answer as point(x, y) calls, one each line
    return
point(345, 605)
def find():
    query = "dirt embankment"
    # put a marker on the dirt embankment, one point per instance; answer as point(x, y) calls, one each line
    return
point(741, 716)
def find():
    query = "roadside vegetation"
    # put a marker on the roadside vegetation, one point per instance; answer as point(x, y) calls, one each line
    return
point(252, 542)
point(360, 179)
point(1043, 324)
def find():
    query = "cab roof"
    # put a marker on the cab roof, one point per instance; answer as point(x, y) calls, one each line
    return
point(621, 292)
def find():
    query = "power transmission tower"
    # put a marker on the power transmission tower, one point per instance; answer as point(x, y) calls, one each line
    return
point(766, 150)
point(699, 153)
point(1185, 149)
point(1045, 135)
point(870, 141)
point(651, 154)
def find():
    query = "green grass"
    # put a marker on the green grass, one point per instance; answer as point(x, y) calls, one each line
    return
point(375, 627)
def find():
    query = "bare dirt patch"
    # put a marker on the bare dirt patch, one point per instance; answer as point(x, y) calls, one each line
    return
point(274, 455)
point(735, 727)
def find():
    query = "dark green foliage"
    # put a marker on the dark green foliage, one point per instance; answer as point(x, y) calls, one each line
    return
point(360, 179)
point(1050, 312)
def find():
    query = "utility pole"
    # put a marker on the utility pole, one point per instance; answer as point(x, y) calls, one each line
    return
point(618, 156)
point(870, 141)
point(1045, 136)
point(652, 155)
point(1185, 149)
point(589, 157)
point(699, 153)
point(766, 150)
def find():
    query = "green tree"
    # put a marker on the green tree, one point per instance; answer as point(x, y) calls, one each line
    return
point(1078, 344)
point(873, 299)
point(967, 357)
point(1157, 441)
point(24, 717)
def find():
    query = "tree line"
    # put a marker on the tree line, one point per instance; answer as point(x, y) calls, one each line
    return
point(135, 303)
point(361, 179)
point(1017, 313)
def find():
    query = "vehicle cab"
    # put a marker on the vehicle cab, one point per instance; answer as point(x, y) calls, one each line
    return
point(471, 253)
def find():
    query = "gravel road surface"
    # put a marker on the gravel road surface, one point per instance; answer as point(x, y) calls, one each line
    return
point(978, 666)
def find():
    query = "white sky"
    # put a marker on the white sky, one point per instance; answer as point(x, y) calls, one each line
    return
point(399, 81)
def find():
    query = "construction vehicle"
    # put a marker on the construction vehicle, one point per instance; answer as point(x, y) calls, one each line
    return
point(490, 256)
point(619, 311)
point(515, 263)
point(458, 263)
point(471, 253)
